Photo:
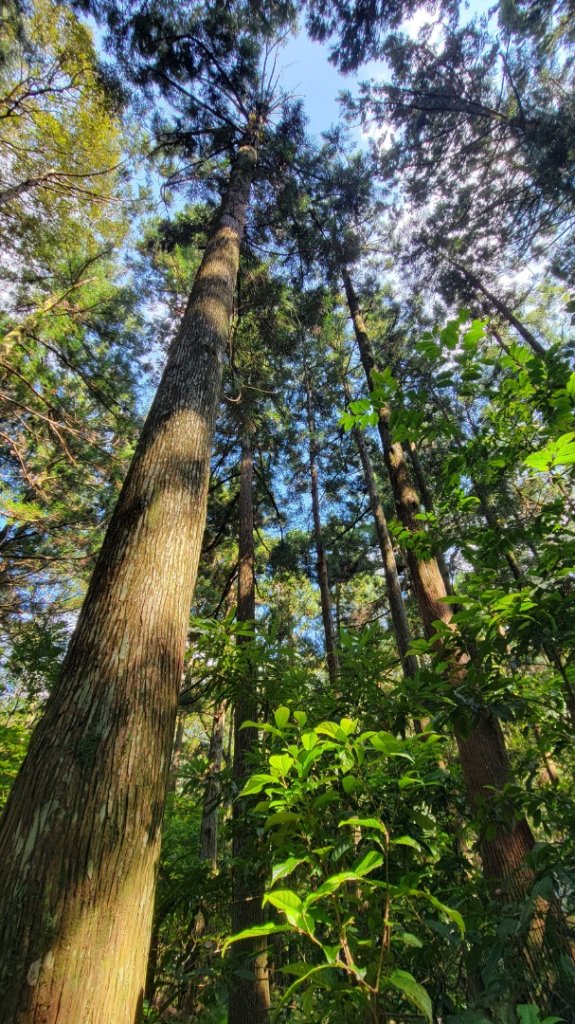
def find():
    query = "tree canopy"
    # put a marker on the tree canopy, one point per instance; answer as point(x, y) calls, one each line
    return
point(287, 641)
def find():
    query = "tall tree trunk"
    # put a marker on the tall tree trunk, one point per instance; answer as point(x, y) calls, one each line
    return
point(80, 836)
point(502, 308)
point(210, 811)
point(177, 751)
point(333, 667)
point(427, 500)
point(505, 844)
point(249, 998)
point(551, 652)
point(483, 757)
point(393, 586)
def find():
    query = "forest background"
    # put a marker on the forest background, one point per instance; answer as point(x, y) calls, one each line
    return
point(356, 754)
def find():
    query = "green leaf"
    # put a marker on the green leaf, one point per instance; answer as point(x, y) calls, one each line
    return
point(389, 745)
point(372, 860)
point(527, 1013)
point(281, 818)
point(286, 868)
point(408, 939)
point(350, 784)
point(348, 725)
point(282, 717)
point(331, 952)
point(405, 983)
point(328, 729)
point(407, 841)
point(253, 933)
point(450, 334)
point(285, 900)
point(364, 823)
point(369, 862)
point(256, 783)
point(449, 912)
point(281, 763)
point(290, 904)
point(305, 977)
point(300, 717)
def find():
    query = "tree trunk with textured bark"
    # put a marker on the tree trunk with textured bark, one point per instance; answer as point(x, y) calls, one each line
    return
point(333, 666)
point(505, 840)
point(249, 998)
point(80, 835)
point(210, 811)
point(177, 751)
point(483, 756)
point(393, 586)
point(427, 500)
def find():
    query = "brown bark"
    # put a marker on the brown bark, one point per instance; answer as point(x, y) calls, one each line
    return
point(177, 752)
point(505, 840)
point(393, 586)
point(80, 836)
point(483, 756)
point(249, 998)
point(333, 666)
point(427, 500)
point(210, 815)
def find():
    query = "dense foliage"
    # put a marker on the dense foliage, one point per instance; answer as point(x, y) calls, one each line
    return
point(378, 758)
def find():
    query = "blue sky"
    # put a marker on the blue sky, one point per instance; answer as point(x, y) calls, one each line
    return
point(307, 74)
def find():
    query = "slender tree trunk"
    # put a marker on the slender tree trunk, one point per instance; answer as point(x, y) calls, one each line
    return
point(249, 998)
point(394, 595)
point(333, 666)
point(503, 309)
point(505, 844)
point(483, 756)
point(177, 751)
point(80, 836)
point(427, 499)
point(210, 812)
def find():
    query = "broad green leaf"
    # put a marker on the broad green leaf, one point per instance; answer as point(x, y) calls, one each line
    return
point(527, 1013)
point(350, 784)
point(281, 763)
point(253, 933)
point(348, 725)
point(364, 823)
point(406, 841)
point(304, 977)
point(408, 939)
point(309, 740)
point(281, 818)
point(405, 983)
point(449, 912)
point(369, 862)
point(284, 899)
point(372, 860)
point(327, 729)
point(282, 717)
point(256, 783)
point(286, 868)
point(290, 904)
point(331, 885)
